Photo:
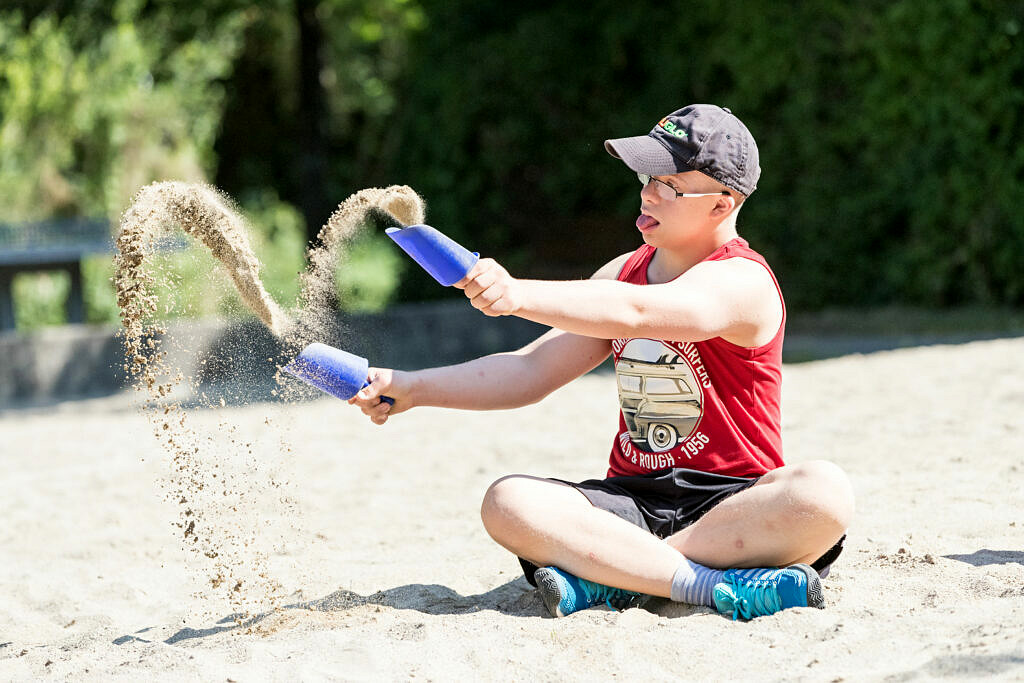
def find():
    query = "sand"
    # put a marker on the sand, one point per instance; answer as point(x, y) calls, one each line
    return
point(316, 313)
point(207, 215)
point(390, 574)
point(234, 508)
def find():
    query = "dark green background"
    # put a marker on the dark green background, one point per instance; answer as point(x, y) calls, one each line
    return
point(890, 132)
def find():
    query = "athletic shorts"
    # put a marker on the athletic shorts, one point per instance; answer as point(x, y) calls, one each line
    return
point(666, 501)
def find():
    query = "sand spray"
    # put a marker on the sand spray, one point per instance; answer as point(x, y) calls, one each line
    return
point(235, 508)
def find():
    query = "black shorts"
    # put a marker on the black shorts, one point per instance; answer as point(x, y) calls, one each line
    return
point(666, 501)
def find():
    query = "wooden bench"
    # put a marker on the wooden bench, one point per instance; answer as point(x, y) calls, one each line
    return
point(55, 244)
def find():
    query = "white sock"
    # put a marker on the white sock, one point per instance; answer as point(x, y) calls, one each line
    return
point(695, 584)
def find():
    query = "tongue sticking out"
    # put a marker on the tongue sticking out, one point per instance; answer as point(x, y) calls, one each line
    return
point(645, 221)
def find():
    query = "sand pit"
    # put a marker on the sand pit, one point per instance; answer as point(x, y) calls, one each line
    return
point(391, 575)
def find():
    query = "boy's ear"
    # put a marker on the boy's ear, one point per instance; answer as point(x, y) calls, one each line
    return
point(723, 206)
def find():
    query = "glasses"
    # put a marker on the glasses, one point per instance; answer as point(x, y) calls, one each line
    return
point(669, 193)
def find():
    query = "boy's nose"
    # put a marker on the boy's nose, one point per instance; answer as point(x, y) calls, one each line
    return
point(649, 192)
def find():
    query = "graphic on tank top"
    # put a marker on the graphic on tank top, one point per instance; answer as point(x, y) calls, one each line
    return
point(660, 391)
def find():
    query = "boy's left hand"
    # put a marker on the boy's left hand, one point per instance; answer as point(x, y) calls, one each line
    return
point(491, 289)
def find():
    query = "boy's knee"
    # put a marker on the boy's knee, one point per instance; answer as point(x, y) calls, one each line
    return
point(516, 507)
point(822, 472)
point(823, 489)
point(501, 507)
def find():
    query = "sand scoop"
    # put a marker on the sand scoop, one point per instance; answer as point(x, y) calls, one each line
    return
point(331, 370)
point(443, 258)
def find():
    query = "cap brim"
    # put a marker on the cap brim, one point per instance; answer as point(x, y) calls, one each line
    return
point(644, 154)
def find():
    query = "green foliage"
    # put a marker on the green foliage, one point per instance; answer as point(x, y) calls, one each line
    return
point(311, 105)
point(97, 101)
point(277, 234)
point(888, 133)
point(94, 108)
point(94, 105)
point(98, 290)
point(369, 278)
point(40, 299)
point(367, 45)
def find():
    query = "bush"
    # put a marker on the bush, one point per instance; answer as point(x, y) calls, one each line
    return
point(39, 299)
point(888, 133)
point(888, 129)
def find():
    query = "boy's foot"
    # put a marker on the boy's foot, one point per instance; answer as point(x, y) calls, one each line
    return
point(750, 593)
point(564, 593)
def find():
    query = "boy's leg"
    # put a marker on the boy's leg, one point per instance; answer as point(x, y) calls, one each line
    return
point(793, 514)
point(549, 523)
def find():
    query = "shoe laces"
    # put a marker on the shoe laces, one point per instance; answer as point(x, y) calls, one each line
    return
point(754, 597)
point(615, 598)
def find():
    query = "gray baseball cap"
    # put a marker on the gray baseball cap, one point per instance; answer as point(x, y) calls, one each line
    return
point(699, 137)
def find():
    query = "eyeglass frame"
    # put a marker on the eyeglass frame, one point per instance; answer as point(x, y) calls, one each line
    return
point(678, 194)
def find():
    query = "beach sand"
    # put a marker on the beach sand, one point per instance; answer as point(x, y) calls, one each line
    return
point(387, 573)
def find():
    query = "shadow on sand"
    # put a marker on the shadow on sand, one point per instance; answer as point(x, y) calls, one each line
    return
point(980, 558)
point(981, 665)
point(515, 598)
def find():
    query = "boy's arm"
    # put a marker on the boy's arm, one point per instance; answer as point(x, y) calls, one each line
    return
point(734, 298)
point(509, 380)
point(495, 382)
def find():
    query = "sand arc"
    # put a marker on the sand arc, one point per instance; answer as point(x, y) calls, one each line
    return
point(217, 476)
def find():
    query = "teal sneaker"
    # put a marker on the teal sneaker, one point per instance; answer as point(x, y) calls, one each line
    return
point(750, 593)
point(564, 593)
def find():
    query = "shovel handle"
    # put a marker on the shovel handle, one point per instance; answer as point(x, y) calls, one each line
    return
point(387, 399)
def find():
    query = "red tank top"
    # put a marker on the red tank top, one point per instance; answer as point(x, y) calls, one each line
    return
point(711, 405)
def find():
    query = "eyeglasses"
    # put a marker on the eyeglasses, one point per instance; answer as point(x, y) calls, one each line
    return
point(669, 193)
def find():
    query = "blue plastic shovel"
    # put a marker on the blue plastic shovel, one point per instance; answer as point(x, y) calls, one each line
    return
point(446, 260)
point(336, 372)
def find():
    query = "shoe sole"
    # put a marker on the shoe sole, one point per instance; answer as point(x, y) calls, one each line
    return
point(815, 594)
point(550, 593)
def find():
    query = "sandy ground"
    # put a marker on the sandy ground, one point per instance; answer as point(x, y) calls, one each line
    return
point(388, 574)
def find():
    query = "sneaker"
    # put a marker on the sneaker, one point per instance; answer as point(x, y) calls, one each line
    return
point(750, 593)
point(564, 593)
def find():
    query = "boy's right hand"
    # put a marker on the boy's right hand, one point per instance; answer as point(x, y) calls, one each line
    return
point(383, 382)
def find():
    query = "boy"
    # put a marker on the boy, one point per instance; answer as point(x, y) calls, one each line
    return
point(697, 505)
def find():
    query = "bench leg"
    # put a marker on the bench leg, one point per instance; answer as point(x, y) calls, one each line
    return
point(76, 303)
point(6, 300)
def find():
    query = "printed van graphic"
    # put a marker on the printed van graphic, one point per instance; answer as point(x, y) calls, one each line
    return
point(661, 399)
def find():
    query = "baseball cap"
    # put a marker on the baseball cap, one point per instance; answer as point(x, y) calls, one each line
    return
point(699, 137)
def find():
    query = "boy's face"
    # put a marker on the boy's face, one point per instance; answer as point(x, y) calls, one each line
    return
point(668, 221)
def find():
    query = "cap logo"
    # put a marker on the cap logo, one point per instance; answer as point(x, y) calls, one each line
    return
point(670, 127)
